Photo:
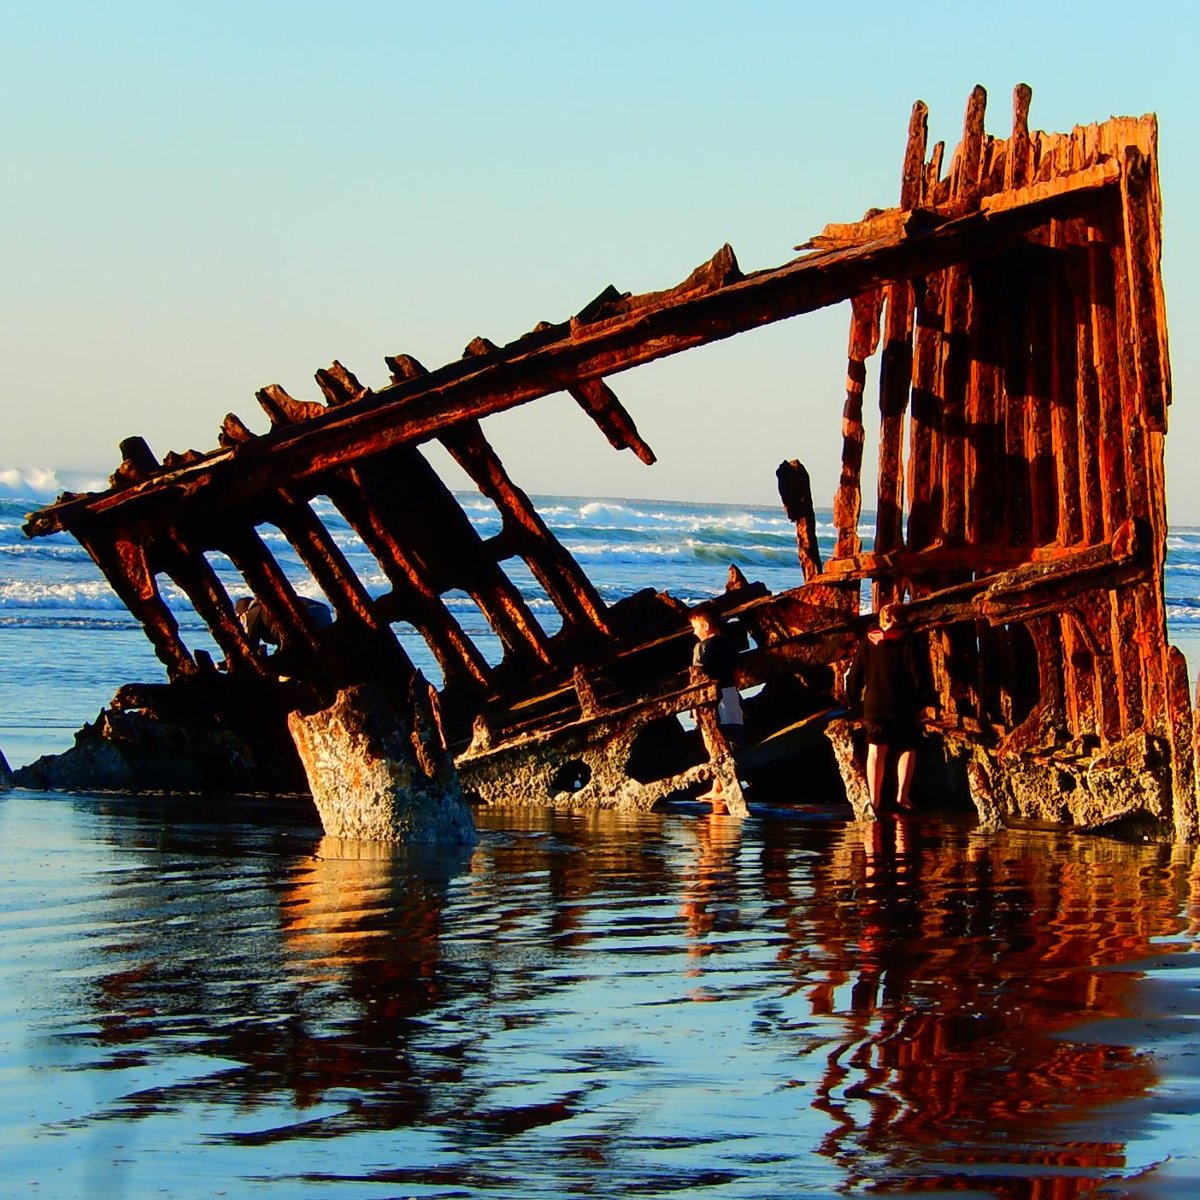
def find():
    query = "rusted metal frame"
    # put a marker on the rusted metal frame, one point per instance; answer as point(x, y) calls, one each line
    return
point(1145, 285)
point(336, 578)
point(895, 378)
point(895, 371)
point(325, 561)
point(243, 546)
point(984, 482)
point(968, 380)
point(933, 561)
point(187, 566)
point(795, 491)
point(415, 600)
point(600, 403)
point(421, 409)
point(453, 553)
point(1020, 593)
point(1181, 732)
point(1143, 316)
point(925, 417)
point(992, 184)
point(933, 187)
point(283, 409)
point(957, 654)
point(1105, 334)
point(523, 531)
point(912, 174)
point(290, 511)
point(126, 566)
point(1078, 659)
point(1018, 167)
point(340, 386)
point(1104, 235)
point(953, 384)
point(457, 655)
point(1017, 521)
point(1093, 635)
point(678, 694)
point(1048, 714)
point(1044, 483)
point(594, 396)
point(1042, 468)
point(488, 586)
point(925, 436)
point(955, 367)
point(1149, 602)
point(968, 158)
point(866, 310)
point(569, 589)
point(954, 653)
point(1087, 388)
point(989, 197)
point(1063, 389)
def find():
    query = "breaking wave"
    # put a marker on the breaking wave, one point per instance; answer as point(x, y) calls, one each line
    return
point(42, 484)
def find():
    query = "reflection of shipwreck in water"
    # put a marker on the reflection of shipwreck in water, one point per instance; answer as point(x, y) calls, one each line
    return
point(1015, 304)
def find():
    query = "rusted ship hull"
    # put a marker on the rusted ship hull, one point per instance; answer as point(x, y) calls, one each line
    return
point(1012, 307)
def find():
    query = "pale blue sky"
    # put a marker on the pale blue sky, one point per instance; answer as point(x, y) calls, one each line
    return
point(200, 199)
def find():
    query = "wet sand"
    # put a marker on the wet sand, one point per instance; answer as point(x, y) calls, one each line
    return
point(208, 996)
point(1163, 1026)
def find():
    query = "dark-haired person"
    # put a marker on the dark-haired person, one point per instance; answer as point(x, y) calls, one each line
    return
point(259, 627)
point(891, 678)
point(716, 655)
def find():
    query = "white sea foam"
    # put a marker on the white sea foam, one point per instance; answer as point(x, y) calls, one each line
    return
point(687, 550)
point(23, 593)
point(43, 483)
point(612, 514)
point(62, 550)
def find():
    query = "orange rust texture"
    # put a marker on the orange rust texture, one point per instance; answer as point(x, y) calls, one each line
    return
point(1036, 384)
point(1014, 307)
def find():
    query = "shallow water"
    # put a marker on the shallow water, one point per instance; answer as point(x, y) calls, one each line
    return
point(67, 642)
point(220, 1001)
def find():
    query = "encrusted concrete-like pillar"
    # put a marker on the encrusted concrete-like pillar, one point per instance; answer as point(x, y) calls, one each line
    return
point(981, 786)
point(854, 779)
point(373, 780)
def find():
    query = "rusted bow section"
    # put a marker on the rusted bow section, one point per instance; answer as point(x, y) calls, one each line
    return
point(1011, 309)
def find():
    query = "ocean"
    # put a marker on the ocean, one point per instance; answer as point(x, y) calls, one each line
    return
point(67, 643)
point(205, 996)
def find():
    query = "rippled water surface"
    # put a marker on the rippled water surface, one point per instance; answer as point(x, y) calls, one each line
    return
point(231, 1004)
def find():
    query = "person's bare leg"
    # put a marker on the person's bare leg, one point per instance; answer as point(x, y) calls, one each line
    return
point(906, 768)
point(876, 762)
point(716, 797)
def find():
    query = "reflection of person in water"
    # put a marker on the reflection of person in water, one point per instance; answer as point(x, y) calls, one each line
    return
point(710, 892)
point(259, 627)
point(890, 677)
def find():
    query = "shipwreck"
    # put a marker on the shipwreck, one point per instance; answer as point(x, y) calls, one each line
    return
point(1013, 301)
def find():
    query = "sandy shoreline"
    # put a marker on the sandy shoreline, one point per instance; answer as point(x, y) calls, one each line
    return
point(1164, 1026)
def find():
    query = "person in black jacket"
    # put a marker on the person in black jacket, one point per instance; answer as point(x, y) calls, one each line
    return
point(261, 629)
point(716, 655)
point(891, 678)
